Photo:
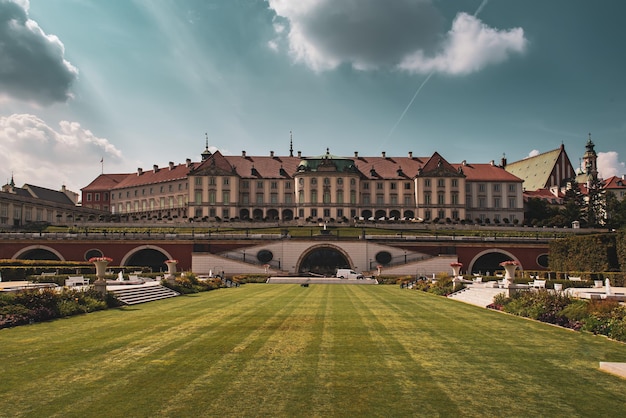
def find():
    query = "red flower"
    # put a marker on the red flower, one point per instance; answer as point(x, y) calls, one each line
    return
point(171, 261)
point(509, 263)
point(456, 264)
point(94, 259)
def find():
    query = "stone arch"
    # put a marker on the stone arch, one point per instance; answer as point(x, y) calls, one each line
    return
point(154, 261)
point(244, 214)
point(43, 249)
point(272, 214)
point(257, 214)
point(489, 260)
point(323, 259)
point(366, 213)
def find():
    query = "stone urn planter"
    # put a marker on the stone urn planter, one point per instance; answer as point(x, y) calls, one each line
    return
point(456, 269)
point(101, 264)
point(509, 271)
point(171, 268)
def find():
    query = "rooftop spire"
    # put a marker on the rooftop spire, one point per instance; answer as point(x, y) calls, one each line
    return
point(206, 153)
point(290, 144)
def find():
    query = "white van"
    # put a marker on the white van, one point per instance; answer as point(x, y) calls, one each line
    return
point(348, 274)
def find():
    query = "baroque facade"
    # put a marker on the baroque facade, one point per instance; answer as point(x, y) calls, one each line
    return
point(321, 188)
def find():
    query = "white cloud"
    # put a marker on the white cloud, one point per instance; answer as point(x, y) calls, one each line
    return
point(468, 47)
point(533, 153)
point(32, 63)
point(405, 34)
point(50, 157)
point(609, 165)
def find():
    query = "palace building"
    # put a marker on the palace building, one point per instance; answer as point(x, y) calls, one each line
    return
point(320, 188)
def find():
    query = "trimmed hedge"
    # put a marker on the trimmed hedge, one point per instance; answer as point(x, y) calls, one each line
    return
point(593, 253)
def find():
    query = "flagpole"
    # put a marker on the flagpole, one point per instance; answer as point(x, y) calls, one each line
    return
point(102, 164)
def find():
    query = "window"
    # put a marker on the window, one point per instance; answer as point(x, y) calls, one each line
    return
point(259, 184)
point(512, 188)
point(408, 200)
point(300, 196)
point(512, 202)
point(441, 198)
point(496, 202)
point(197, 181)
point(454, 182)
point(496, 187)
point(339, 196)
point(143, 193)
point(314, 213)
point(245, 184)
point(393, 185)
point(340, 181)
point(301, 181)
point(426, 182)
point(211, 181)
point(198, 199)
point(441, 214)
point(366, 185)
point(340, 213)
point(151, 190)
point(326, 196)
point(352, 197)
point(314, 180)
point(226, 197)
point(455, 198)
point(481, 187)
point(226, 182)
point(441, 183)
point(482, 202)
point(352, 182)
point(137, 191)
point(259, 198)
point(97, 196)
point(380, 199)
point(326, 213)
point(273, 198)
point(225, 213)
point(288, 198)
point(366, 199)
point(245, 198)
point(379, 185)
point(212, 197)
point(393, 199)
point(88, 197)
point(274, 185)
point(288, 185)
point(313, 196)
point(407, 185)
point(427, 198)
point(455, 214)
point(326, 181)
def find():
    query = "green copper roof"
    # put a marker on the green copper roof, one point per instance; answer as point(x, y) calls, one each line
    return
point(535, 171)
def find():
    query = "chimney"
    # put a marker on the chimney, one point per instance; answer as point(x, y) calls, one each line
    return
point(139, 171)
point(171, 165)
point(299, 154)
point(464, 162)
point(155, 168)
point(503, 161)
point(272, 154)
point(243, 153)
point(384, 154)
point(188, 162)
point(410, 154)
point(356, 154)
point(63, 188)
point(492, 162)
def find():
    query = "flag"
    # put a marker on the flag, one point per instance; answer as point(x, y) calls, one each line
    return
point(102, 159)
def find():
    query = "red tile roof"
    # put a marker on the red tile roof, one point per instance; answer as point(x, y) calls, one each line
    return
point(105, 182)
point(486, 172)
point(160, 175)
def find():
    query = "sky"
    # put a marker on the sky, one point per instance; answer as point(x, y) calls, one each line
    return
point(90, 86)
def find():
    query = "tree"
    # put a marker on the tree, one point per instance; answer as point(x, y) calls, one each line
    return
point(615, 211)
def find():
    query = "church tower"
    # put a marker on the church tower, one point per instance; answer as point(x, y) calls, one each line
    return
point(590, 160)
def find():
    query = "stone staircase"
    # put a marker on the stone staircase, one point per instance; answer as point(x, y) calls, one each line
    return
point(474, 295)
point(132, 295)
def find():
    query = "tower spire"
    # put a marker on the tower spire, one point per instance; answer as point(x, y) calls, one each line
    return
point(206, 153)
point(290, 143)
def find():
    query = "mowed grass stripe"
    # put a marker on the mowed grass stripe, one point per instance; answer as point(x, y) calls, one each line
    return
point(326, 350)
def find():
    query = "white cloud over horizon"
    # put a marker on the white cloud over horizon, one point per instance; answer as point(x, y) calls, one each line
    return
point(38, 154)
point(408, 35)
point(32, 63)
point(609, 165)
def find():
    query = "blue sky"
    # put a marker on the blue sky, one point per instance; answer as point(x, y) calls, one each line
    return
point(138, 83)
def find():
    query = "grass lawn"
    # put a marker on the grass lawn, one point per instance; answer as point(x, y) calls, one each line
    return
point(285, 350)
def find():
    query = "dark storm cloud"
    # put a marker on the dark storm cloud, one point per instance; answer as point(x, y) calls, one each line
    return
point(32, 63)
point(371, 33)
